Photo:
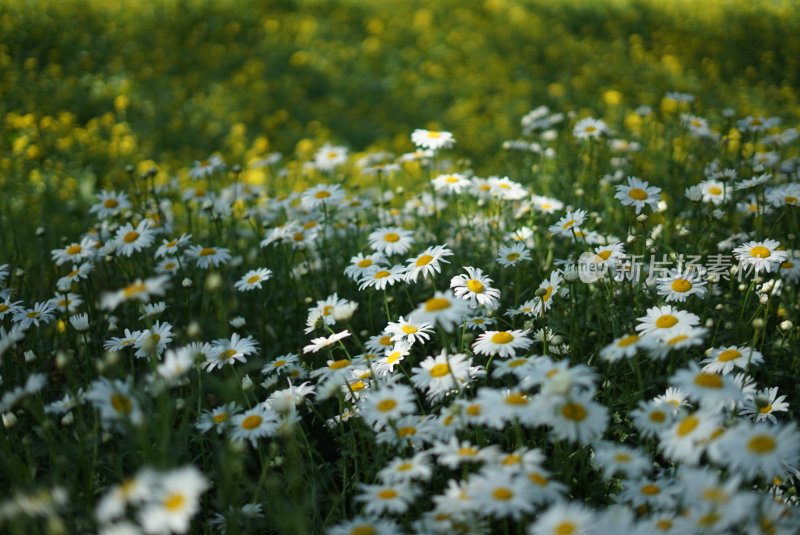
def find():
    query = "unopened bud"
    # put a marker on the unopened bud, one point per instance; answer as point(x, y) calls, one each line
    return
point(786, 325)
point(247, 383)
point(9, 420)
point(758, 323)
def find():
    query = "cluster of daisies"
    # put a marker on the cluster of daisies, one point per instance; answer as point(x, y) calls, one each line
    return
point(443, 331)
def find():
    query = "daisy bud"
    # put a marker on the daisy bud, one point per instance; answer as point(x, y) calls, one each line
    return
point(729, 325)
point(247, 383)
point(186, 283)
point(40, 231)
point(68, 419)
point(105, 437)
point(758, 323)
point(193, 330)
point(786, 325)
point(180, 404)
point(540, 292)
point(29, 355)
point(111, 358)
point(630, 239)
point(62, 359)
point(557, 340)
point(709, 323)
point(642, 218)
point(213, 281)
point(19, 273)
point(764, 299)
point(742, 287)
point(9, 420)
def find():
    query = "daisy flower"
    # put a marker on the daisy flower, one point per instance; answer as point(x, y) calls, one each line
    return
point(708, 388)
point(678, 286)
point(724, 359)
point(475, 288)
point(658, 494)
point(760, 255)
point(168, 266)
point(615, 459)
point(712, 191)
point(172, 247)
point(361, 264)
point(563, 518)
point(218, 419)
point(131, 240)
point(402, 470)
point(507, 189)
point(323, 342)
point(153, 341)
point(511, 255)
point(391, 240)
point(75, 252)
point(764, 404)
point(544, 294)
point(761, 449)
point(79, 322)
point(427, 263)
point(502, 343)
point(405, 330)
point(589, 128)
point(111, 203)
point(78, 273)
point(253, 425)
point(659, 345)
point(41, 312)
point(229, 351)
point(442, 309)
point(205, 168)
point(638, 194)
point(577, 418)
point(546, 205)
point(382, 405)
point(442, 374)
point(665, 320)
point(432, 139)
point(479, 323)
point(652, 417)
point(174, 501)
point(383, 498)
point(454, 453)
point(322, 194)
point(569, 223)
point(451, 184)
point(362, 525)
point(205, 257)
point(379, 277)
point(329, 157)
point(624, 346)
point(507, 406)
point(9, 307)
point(685, 439)
point(115, 401)
point(151, 310)
point(502, 495)
point(253, 279)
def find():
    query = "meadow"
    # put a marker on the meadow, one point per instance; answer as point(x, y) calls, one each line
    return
point(301, 266)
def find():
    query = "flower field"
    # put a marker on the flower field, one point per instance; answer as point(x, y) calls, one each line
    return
point(403, 267)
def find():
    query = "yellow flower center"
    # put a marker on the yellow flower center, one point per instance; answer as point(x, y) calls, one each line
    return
point(502, 337)
point(451, 179)
point(131, 237)
point(434, 135)
point(475, 286)
point(174, 502)
point(228, 353)
point(391, 237)
point(677, 339)
point(435, 304)
point(405, 467)
point(517, 362)
point(502, 493)
point(766, 409)
point(666, 321)
point(604, 254)
point(759, 251)
point(516, 399)
point(650, 489)
point(567, 527)
point(219, 418)
point(681, 285)
point(708, 380)
point(637, 194)
point(474, 410)
point(440, 370)
point(386, 405)
point(382, 274)
point(121, 403)
point(664, 524)
point(385, 340)
point(708, 519)
point(538, 479)
point(3, 307)
point(207, 251)
point(409, 431)
point(715, 190)
point(339, 364)
point(729, 355)
point(467, 451)
point(110, 203)
point(323, 194)
point(364, 263)
point(628, 340)
point(790, 199)
point(33, 314)
point(714, 494)
point(74, 249)
point(512, 256)
point(134, 289)
point(761, 444)
point(687, 425)
point(253, 279)
point(251, 422)
point(424, 260)
point(574, 411)
point(387, 494)
point(622, 457)
point(568, 224)
point(787, 265)
point(363, 529)
point(547, 294)
point(409, 329)
point(657, 417)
